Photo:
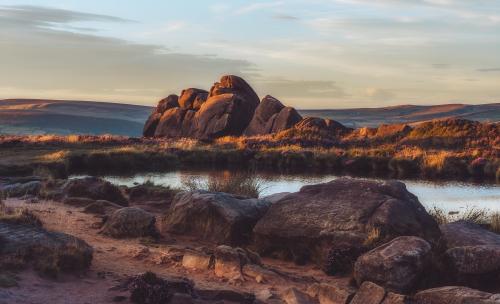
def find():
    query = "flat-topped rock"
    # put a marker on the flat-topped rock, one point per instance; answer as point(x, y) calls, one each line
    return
point(219, 217)
point(48, 251)
point(306, 225)
point(94, 188)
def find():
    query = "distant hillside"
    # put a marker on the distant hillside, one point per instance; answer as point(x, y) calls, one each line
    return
point(30, 116)
point(371, 117)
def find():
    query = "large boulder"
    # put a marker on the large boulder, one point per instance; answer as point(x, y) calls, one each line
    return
point(455, 295)
point(234, 85)
point(219, 217)
point(398, 265)
point(94, 188)
point(171, 124)
point(223, 115)
point(192, 98)
point(49, 252)
point(345, 212)
point(473, 254)
point(153, 120)
point(130, 222)
point(272, 116)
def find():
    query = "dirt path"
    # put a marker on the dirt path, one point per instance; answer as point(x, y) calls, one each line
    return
point(117, 259)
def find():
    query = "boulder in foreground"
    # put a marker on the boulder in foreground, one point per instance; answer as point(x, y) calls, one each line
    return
point(129, 223)
point(94, 188)
point(219, 217)
point(49, 252)
point(473, 255)
point(398, 265)
point(345, 212)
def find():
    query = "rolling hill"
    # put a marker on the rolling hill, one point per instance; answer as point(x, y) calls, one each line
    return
point(35, 116)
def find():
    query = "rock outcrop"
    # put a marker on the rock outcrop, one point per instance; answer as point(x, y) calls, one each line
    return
point(398, 265)
point(324, 125)
point(306, 225)
point(219, 217)
point(231, 108)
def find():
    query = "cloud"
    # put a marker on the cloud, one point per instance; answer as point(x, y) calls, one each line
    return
point(42, 57)
point(489, 70)
point(257, 6)
point(285, 17)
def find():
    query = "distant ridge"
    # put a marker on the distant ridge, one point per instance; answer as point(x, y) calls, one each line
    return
point(371, 117)
point(43, 116)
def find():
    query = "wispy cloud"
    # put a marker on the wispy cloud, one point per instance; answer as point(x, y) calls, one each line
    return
point(285, 17)
point(486, 70)
point(258, 6)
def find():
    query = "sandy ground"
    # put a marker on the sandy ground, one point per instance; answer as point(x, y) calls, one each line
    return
point(117, 259)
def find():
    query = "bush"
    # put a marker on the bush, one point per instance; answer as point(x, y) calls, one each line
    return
point(239, 184)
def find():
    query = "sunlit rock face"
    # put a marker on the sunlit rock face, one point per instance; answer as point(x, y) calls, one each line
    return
point(230, 108)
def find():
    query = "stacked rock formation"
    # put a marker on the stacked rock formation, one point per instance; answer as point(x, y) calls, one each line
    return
point(231, 108)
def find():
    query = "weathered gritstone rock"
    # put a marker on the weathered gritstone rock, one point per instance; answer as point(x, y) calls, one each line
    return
point(130, 222)
point(473, 254)
point(398, 265)
point(219, 217)
point(295, 296)
point(227, 110)
point(271, 116)
point(48, 251)
point(455, 295)
point(94, 188)
point(321, 125)
point(306, 225)
point(101, 207)
point(369, 293)
point(153, 120)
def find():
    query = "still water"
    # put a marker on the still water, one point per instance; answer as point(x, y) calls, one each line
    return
point(450, 196)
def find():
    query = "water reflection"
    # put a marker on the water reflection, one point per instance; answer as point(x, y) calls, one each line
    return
point(450, 196)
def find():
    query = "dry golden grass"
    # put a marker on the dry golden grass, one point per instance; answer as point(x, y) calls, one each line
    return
point(373, 237)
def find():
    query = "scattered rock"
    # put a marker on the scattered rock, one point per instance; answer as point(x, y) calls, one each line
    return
point(397, 265)
point(219, 217)
point(130, 222)
point(197, 260)
point(295, 296)
point(322, 125)
point(148, 288)
point(229, 262)
point(260, 274)
point(306, 225)
point(369, 293)
point(331, 293)
point(94, 188)
point(454, 294)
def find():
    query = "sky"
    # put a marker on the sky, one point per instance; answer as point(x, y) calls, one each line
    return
point(307, 53)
